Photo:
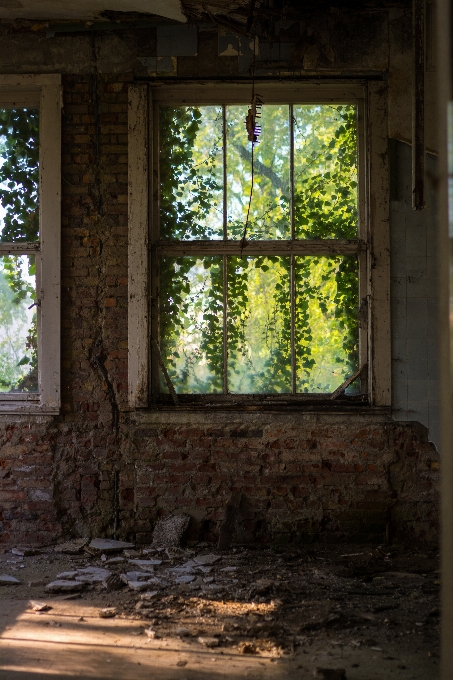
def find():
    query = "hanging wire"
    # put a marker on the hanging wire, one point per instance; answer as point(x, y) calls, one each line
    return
point(253, 132)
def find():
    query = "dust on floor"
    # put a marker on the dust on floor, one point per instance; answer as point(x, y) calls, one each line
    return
point(200, 613)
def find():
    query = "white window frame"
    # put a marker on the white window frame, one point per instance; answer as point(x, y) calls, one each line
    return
point(43, 91)
point(373, 249)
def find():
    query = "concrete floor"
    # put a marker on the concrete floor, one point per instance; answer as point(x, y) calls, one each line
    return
point(71, 641)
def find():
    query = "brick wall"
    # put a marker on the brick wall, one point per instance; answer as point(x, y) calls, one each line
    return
point(302, 477)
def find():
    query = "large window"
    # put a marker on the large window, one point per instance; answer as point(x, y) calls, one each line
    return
point(29, 243)
point(260, 253)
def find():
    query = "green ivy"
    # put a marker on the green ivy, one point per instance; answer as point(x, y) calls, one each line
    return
point(325, 206)
point(19, 197)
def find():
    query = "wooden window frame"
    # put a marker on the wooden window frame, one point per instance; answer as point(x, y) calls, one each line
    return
point(43, 92)
point(371, 246)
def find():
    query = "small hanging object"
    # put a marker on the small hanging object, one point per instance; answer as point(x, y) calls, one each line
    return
point(254, 112)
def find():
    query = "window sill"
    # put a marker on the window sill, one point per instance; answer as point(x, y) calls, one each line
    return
point(27, 408)
point(252, 404)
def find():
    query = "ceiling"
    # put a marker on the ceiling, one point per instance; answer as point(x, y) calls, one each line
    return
point(86, 9)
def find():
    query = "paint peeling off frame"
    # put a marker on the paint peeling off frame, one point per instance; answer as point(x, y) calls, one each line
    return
point(372, 246)
point(45, 92)
point(138, 209)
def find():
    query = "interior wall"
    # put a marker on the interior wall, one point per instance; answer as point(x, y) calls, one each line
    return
point(414, 295)
point(302, 476)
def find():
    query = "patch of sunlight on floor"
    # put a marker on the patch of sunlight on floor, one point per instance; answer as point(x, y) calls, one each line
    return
point(71, 640)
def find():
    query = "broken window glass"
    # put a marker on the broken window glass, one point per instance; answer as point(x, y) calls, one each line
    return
point(19, 175)
point(18, 324)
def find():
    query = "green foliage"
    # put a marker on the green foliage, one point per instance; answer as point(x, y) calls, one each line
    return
point(259, 314)
point(19, 184)
point(325, 172)
point(192, 308)
point(18, 372)
point(19, 174)
point(190, 180)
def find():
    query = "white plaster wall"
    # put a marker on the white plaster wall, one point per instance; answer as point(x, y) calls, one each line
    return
point(414, 296)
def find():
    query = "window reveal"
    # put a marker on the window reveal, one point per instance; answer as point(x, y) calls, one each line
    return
point(283, 317)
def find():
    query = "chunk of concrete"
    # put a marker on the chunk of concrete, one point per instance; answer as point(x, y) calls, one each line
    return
point(6, 580)
point(138, 586)
point(72, 547)
point(168, 532)
point(144, 564)
point(109, 545)
point(115, 560)
point(25, 552)
point(65, 586)
point(67, 575)
point(208, 641)
point(185, 578)
point(38, 606)
point(113, 582)
point(92, 575)
point(107, 613)
point(207, 559)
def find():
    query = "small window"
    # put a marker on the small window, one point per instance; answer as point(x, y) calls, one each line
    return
point(271, 308)
point(29, 243)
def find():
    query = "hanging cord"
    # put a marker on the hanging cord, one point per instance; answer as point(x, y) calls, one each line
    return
point(253, 131)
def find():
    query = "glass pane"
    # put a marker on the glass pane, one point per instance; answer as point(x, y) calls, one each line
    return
point(326, 322)
point(19, 175)
point(191, 172)
point(18, 324)
point(259, 325)
point(325, 171)
point(270, 209)
point(191, 323)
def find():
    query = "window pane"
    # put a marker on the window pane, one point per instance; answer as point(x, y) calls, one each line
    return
point(325, 171)
point(191, 323)
point(18, 324)
point(19, 175)
point(327, 330)
point(259, 325)
point(191, 172)
point(270, 209)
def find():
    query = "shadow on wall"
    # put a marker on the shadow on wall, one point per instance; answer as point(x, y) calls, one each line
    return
point(414, 294)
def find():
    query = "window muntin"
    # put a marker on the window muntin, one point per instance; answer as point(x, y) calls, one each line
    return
point(308, 342)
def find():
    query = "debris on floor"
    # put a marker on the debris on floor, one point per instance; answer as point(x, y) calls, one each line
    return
point(272, 602)
point(168, 532)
